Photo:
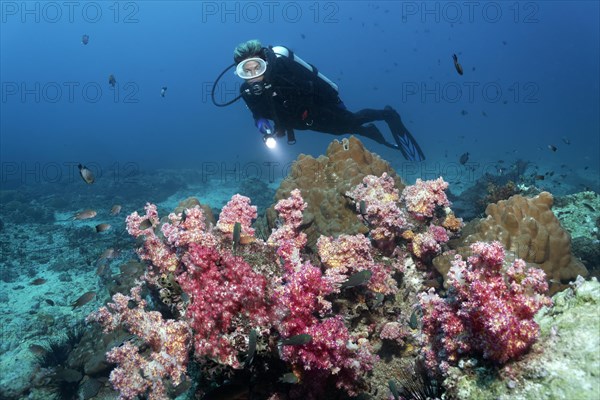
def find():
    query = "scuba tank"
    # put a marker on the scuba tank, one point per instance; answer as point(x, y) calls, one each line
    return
point(281, 51)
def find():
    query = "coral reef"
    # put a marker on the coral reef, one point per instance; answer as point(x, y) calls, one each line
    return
point(527, 228)
point(324, 182)
point(326, 303)
point(489, 309)
point(563, 363)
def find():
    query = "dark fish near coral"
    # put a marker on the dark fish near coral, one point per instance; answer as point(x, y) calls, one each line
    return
point(464, 158)
point(552, 147)
point(85, 214)
point(297, 340)
point(115, 210)
point(87, 175)
point(539, 177)
point(101, 266)
point(83, 299)
point(290, 377)
point(85, 39)
point(131, 268)
point(394, 389)
point(413, 322)
point(38, 281)
point(145, 224)
point(37, 349)
point(237, 231)
point(457, 65)
point(251, 348)
point(111, 80)
point(362, 207)
point(49, 302)
point(357, 279)
point(109, 253)
point(102, 227)
point(163, 91)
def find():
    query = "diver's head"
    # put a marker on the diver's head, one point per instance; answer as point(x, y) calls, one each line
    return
point(250, 60)
point(249, 49)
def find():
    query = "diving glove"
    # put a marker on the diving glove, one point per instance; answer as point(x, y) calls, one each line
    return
point(264, 126)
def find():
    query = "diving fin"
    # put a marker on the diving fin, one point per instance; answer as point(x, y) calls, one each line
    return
point(406, 142)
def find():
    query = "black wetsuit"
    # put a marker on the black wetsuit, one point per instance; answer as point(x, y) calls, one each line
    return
point(295, 98)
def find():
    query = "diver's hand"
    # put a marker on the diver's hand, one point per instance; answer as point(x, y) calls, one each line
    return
point(264, 126)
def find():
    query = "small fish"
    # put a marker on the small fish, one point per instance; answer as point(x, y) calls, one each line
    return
point(38, 281)
point(463, 112)
point(145, 224)
point(394, 389)
point(111, 80)
point(504, 42)
point(464, 158)
point(86, 174)
point(163, 91)
point(251, 348)
point(237, 230)
point(539, 177)
point(101, 266)
point(115, 210)
point(102, 227)
point(290, 377)
point(131, 268)
point(484, 113)
point(37, 349)
point(297, 340)
point(457, 65)
point(49, 302)
point(552, 147)
point(303, 36)
point(566, 141)
point(85, 214)
point(83, 299)
point(413, 322)
point(357, 279)
point(109, 254)
point(85, 39)
point(362, 207)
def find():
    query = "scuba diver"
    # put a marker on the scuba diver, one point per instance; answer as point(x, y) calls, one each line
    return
point(281, 87)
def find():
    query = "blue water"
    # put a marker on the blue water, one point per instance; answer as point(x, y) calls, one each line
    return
point(532, 67)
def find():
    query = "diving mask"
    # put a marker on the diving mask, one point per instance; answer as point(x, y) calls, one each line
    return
point(251, 68)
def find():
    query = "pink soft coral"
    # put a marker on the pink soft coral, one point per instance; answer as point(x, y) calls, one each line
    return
point(227, 296)
point(488, 311)
point(423, 197)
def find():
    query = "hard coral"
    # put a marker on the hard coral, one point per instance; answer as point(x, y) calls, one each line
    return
point(528, 228)
point(324, 182)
